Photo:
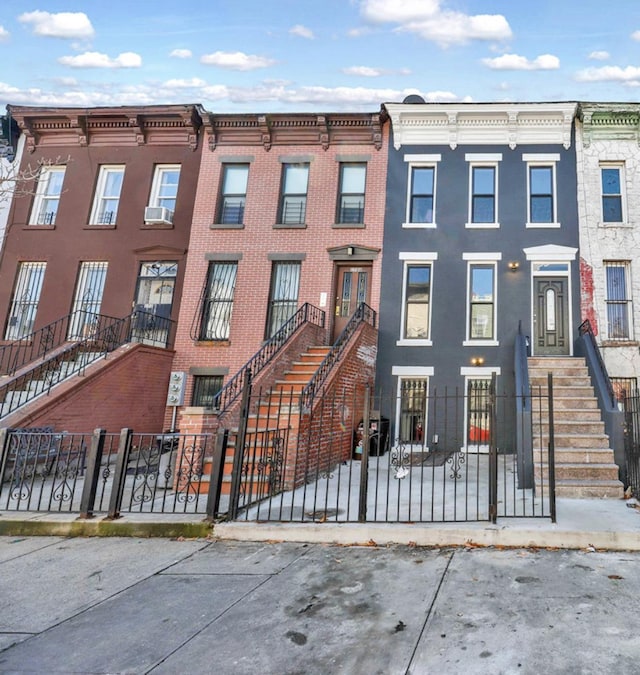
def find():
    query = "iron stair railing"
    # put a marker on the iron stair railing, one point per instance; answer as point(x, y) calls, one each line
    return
point(233, 389)
point(363, 314)
point(585, 330)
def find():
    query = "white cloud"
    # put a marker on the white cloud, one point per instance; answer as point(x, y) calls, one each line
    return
point(4, 34)
point(302, 31)
point(429, 21)
point(236, 60)
point(363, 71)
point(358, 32)
point(636, 35)
point(98, 60)
point(599, 55)
point(184, 84)
point(517, 62)
point(629, 75)
point(61, 25)
point(181, 53)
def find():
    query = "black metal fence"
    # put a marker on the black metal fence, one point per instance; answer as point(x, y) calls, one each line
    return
point(631, 407)
point(415, 457)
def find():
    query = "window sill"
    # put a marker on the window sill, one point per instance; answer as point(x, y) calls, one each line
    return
point(199, 410)
point(542, 226)
point(482, 226)
point(414, 342)
point(38, 227)
point(112, 226)
point(290, 226)
point(419, 226)
point(347, 226)
point(603, 223)
point(481, 343)
point(156, 226)
point(212, 343)
point(622, 342)
point(226, 226)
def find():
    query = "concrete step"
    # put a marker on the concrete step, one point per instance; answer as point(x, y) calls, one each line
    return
point(579, 471)
point(575, 455)
point(585, 489)
point(573, 441)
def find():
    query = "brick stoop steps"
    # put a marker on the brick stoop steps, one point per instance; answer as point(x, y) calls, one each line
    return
point(274, 412)
point(584, 462)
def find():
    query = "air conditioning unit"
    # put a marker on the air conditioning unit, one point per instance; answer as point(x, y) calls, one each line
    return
point(158, 214)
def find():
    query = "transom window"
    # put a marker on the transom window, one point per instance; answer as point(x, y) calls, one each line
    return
point(293, 201)
point(47, 198)
point(234, 193)
point(612, 202)
point(352, 191)
point(617, 300)
point(107, 195)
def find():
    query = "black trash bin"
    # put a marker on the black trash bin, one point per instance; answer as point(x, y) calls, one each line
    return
point(378, 437)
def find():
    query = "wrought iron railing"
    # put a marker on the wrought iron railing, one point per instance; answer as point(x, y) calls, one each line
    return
point(231, 391)
point(363, 313)
point(585, 330)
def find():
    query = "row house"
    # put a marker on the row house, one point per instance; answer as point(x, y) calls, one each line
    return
point(608, 161)
point(481, 242)
point(289, 210)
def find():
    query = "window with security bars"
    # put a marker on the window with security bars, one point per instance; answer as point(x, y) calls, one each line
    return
point(218, 301)
point(107, 195)
point(47, 197)
point(478, 412)
point(87, 300)
point(293, 199)
point(617, 300)
point(351, 198)
point(235, 178)
point(413, 410)
point(283, 295)
point(623, 388)
point(25, 299)
point(205, 390)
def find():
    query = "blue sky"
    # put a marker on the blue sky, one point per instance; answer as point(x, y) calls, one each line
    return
point(303, 55)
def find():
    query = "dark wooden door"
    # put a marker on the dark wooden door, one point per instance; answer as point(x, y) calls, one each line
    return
point(551, 316)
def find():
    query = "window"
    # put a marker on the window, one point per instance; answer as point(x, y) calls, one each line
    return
point(24, 303)
point(47, 198)
point(283, 295)
point(612, 207)
point(421, 200)
point(88, 299)
point(218, 301)
point(541, 208)
point(293, 206)
point(205, 390)
point(417, 301)
point(165, 188)
point(107, 197)
point(478, 414)
point(413, 410)
point(351, 200)
point(234, 193)
point(483, 194)
point(617, 300)
point(481, 302)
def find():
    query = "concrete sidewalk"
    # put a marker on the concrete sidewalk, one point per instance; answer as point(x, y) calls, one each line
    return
point(130, 605)
point(581, 523)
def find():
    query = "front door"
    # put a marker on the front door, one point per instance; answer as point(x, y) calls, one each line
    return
point(353, 287)
point(154, 301)
point(551, 316)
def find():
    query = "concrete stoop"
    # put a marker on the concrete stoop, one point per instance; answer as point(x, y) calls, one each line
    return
point(584, 460)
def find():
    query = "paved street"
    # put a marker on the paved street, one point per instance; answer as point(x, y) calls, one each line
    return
point(116, 605)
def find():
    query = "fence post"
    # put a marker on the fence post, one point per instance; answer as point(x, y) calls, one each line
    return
point(493, 453)
point(364, 457)
point(217, 471)
point(120, 475)
point(238, 454)
point(92, 474)
point(552, 452)
point(4, 454)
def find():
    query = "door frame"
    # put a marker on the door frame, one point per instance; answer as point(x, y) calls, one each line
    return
point(551, 260)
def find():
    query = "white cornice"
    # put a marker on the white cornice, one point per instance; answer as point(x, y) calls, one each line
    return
point(456, 124)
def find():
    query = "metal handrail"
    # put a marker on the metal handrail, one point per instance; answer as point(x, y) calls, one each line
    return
point(363, 314)
point(521, 368)
point(229, 393)
point(585, 329)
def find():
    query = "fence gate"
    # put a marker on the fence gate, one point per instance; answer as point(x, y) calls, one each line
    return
point(418, 456)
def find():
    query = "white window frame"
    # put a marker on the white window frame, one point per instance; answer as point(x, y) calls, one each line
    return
point(628, 302)
point(421, 162)
point(100, 196)
point(479, 161)
point(542, 160)
point(487, 258)
point(156, 198)
point(416, 258)
point(620, 166)
point(411, 373)
point(43, 195)
point(475, 373)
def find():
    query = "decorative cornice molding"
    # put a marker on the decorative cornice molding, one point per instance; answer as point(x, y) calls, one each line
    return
point(454, 124)
point(609, 121)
